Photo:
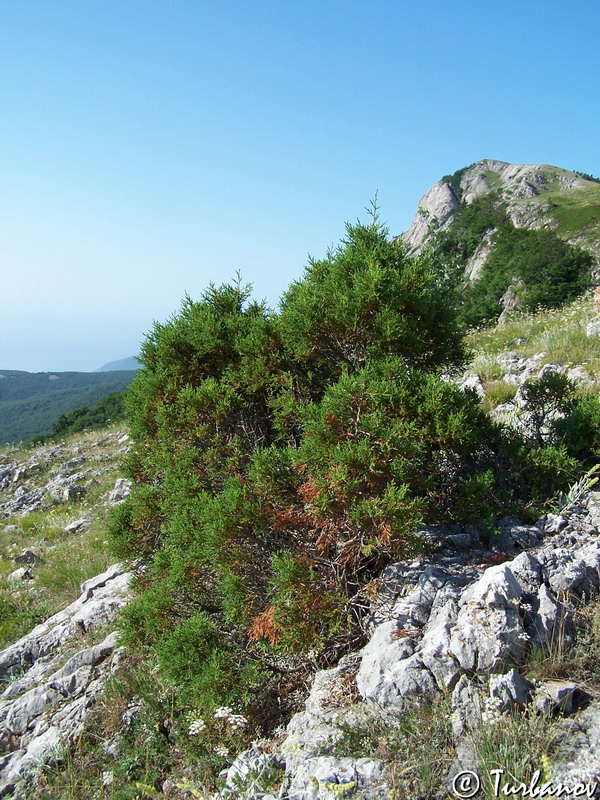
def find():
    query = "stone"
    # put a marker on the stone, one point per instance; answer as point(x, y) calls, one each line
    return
point(549, 369)
point(57, 488)
point(27, 707)
point(330, 778)
point(555, 697)
point(29, 557)
point(552, 626)
point(74, 462)
point(45, 707)
point(77, 525)
point(466, 705)
point(73, 683)
point(488, 633)
point(579, 376)
point(577, 756)
point(460, 540)
point(474, 383)
point(24, 504)
point(510, 362)
point(88, 657)
point(251, 771)
point(434, 648)
point(120, 492)
point(527, 571)
point(73, 492)
point(21, 574)
point(552, 523)
point(511, 689)
point(393, 682)
point(592, 329)
point(436, 208)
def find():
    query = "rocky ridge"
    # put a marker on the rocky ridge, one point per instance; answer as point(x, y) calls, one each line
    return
point(523, 187)
point(52, 498)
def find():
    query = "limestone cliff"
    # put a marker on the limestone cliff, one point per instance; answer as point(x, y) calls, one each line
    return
point(537, 196)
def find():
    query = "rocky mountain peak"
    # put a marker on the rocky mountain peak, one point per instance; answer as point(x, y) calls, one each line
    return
point(517, 184)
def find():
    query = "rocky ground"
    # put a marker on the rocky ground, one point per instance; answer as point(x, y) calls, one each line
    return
point(485, 636)
point(53, 504)
point(451, 626)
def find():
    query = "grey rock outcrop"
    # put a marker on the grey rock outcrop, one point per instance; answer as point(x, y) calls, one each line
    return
point(444, 624)
point(521, 187)
point(45, 703)
point(436, 209)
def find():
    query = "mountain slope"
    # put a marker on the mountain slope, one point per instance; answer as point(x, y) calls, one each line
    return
point(510, 236)
point(122, 364)
point(537, 196)
point(30, 403)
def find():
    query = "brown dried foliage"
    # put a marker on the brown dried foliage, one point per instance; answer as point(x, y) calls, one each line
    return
point(264, 627)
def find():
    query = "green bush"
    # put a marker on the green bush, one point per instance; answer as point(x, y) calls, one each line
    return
point(580, 431)
point(547, 271)
point(365, 301)
point(281, 460)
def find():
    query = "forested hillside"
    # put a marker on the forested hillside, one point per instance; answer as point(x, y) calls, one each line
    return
point(510, 236)
point(30, 403)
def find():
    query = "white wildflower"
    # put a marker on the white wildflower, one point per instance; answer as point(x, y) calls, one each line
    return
point(107, 778)
point(223, 712)
point(492, 714)
point(197, 726)
point(237, 721)
point(221, 751)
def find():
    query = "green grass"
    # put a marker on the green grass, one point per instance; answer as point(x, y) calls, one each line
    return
point(497, 393)
point(559, 333)
point(493, 180)
point(577, 662)
point(415, 747)
point(519, 744)
point(576, 211)
point(68, 559)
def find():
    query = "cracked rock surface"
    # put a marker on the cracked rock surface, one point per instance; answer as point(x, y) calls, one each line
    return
point(455, 621)
point(45, 702)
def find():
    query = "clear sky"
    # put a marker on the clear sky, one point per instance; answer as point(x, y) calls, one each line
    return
point(148, 147)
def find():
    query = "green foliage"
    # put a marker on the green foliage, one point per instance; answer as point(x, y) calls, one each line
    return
point(305, 608)
point(30, 403)
point(469, 225)
point(110, 409)
point(454, 180)
point(545, 270)
point(361, 303)
point(18, 615)
point(579, 432)
point(281, 460)
point(546, 399)
point(586, 176)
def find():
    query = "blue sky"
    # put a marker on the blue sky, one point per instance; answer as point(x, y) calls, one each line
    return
point(149, 147)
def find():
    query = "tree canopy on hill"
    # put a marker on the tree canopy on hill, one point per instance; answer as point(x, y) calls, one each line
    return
point(110, 409)
point(30, 403)
point(544, 270)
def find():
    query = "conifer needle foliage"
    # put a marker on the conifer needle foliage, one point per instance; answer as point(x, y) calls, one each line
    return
point(280, 460)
